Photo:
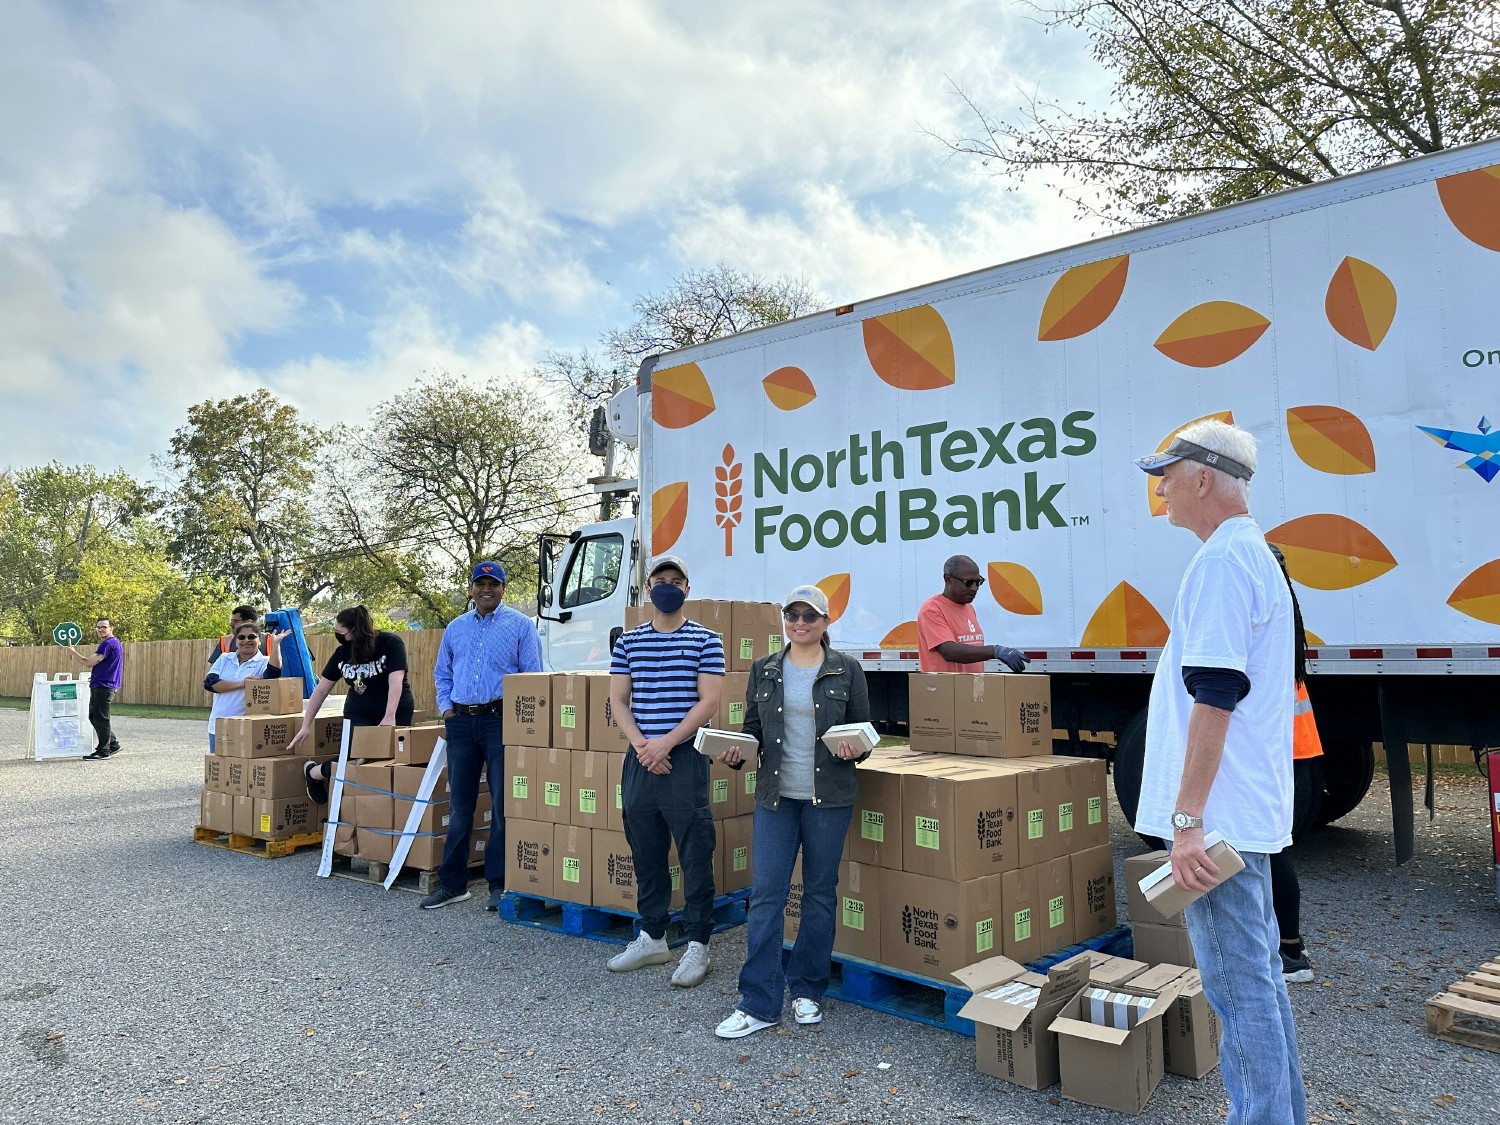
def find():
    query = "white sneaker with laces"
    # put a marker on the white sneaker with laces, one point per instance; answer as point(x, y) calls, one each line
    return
point(739, 1025)
point(807, 1011)
point(644, 950)
point(693, 967)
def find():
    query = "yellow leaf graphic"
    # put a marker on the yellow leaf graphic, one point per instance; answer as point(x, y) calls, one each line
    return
point(911, 349)
point(789, 388)
point(1360, 303)
point(1125, 619)
point(1472, 201)
point(1082, 299)
point(1211, 334)
point(1331, 440)
point(668, 515)
point(1331, 552)
point(902, 636)
point(1478, 595)
point(680, 396)
point(1015, 588)
point(836, 589)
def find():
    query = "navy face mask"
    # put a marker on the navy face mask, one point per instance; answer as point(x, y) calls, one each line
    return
point(668, 598)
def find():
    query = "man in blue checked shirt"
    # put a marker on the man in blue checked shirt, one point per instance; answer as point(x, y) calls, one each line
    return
point(480, 648)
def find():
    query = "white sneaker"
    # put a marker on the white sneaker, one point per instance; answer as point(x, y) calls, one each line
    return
point(693, 967)
point(807, 1011)
point(644, 950)
point(740, 1025)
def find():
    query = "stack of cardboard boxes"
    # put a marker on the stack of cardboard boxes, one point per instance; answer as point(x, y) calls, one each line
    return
point(382, 779)
point(251, 785)
point(953, 857)
point(1159, 938)
point(564, 765)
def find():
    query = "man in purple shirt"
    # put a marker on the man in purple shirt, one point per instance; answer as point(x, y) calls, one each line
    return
point(105, 666)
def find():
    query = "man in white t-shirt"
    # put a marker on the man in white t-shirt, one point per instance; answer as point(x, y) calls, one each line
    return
point(1219, 758)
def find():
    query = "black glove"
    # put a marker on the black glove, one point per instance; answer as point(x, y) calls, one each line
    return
point(1012, 658)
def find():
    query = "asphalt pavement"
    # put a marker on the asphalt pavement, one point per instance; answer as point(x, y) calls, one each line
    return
point(146, 978)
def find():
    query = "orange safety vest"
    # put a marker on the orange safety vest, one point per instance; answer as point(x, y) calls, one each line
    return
point(1305, 740)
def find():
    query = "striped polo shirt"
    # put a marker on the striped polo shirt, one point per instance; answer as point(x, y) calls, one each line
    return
point(663, 670)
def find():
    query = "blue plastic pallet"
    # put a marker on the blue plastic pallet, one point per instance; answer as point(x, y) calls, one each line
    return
point(931, 1001)
point(602, 923)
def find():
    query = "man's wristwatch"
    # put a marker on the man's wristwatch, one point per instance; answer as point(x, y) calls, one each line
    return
point(1182, 821)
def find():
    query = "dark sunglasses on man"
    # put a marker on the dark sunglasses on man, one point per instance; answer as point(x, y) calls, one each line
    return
point(971, 583)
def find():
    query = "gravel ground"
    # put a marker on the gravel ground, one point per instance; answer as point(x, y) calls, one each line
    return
point(150, 979)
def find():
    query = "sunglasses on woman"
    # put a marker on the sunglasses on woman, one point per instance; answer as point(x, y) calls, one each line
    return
point(807, 617)
point(246, 636)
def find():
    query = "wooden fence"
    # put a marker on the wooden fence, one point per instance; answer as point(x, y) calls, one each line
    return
point(170, 673)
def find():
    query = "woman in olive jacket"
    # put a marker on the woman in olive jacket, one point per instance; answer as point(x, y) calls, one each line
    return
point(804, 796)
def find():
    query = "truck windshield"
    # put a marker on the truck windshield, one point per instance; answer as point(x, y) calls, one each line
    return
point(594, 571)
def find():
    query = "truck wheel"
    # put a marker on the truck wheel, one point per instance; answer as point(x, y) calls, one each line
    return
point(1129, 760)
point(1348, 768)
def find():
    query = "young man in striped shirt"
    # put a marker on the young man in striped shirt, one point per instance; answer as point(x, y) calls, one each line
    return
point(665, 681)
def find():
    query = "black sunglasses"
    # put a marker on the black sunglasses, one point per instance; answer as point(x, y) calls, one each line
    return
point(808, 617)
point(246, 636)
point(971, 583)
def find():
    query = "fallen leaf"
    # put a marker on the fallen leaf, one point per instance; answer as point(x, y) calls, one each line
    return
point(851, 1073)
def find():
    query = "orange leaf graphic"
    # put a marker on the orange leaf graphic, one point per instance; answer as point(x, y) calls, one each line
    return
point(1157, 504)
point(789, 388)
point(1360, 303)
point(669, 505)
point(1015, 588)
point(1212, 333)
point(1125, 619)
point(1331, 552)
point(680, 396)
point(1472, 200)
point(1313, 640)
point(1478, 595)
point(902, 636)
point(1082, 299)
point(911, 349)
point(1331, 440)
point(836, 588)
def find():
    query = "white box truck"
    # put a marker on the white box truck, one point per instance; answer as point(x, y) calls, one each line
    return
point(1352, 325)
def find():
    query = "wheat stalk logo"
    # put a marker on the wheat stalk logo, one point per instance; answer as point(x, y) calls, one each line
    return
point(728, 484)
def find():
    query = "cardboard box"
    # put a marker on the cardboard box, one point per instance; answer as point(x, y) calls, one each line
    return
point(1162, 945)
point(959, 821)
point(874, 836)
point(723, 781)
point(573, 864)
point(636, 616)
point(1043, 788)
point(1104, 968)
point(284, 817)
point(371, 744)
point(1002, 715)
point(738, 863)
point(1054, 893)
point(932, 709)
point(274, 697)
point(1136, 868)
point(528, 708)
point(1021, 916)
point(1093, 892)
point(755, 630)
point(554, 777)
point(373, 784)
point(213, 774)
point(1168, 899)
point(217, 811)
point(615, 815)
point(479, 844)
point(235, 776)
point(530, 865)
point(244, 816)
point(614, 871)
point(522, 785)
point(605, 734)
point(570, 711)
point(856, 931)
point(345, 834)
point(589, 794)
point(1088, 779)
point(792, 913)
point(744, 787)
point(271, 778)
point(1191, 1027)
point(934, 927)
point(862, 736)
point(415, 745)
point(327, 734)
point(731, 714)
point(1013, 1010)
point(715, 616)
point(258, 736)
point(1115, 1068)
point(711, 743)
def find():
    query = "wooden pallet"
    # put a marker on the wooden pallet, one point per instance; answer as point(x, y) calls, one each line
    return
point(929, 1000)
point(410, 879)
point(249, 845)
point(602, 923)
point(1476, 998)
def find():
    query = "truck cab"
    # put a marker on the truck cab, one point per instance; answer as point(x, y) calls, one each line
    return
point(586, 581)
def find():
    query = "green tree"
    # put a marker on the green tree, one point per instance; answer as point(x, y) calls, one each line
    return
point(449, 473)
point(1216, 101)
point(241, 471)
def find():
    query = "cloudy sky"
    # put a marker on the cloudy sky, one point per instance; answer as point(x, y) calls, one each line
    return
point(197, 199)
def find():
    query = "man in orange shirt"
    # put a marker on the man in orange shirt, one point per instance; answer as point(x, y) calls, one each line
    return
point(948, 632)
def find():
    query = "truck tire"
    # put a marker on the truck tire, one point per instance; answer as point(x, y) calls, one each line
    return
point(1348, 768)
point(1129, 759)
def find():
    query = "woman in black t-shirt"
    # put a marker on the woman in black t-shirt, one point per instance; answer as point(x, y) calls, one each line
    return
point(373, 663)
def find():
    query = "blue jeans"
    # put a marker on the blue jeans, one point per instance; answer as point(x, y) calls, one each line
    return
point(475, 742)
point(778, 834)
point(1237, 944)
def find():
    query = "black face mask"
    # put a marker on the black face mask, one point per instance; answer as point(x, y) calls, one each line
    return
point(668, 598)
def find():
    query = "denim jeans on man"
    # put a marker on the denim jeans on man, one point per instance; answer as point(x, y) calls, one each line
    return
point(104, 735)
point(475, 742)
point(1236, 942)
point(777, 836)
point(660, 809)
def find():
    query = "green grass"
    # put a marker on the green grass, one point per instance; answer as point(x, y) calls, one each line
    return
point(131, 710)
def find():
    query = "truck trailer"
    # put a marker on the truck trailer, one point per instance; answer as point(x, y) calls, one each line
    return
point(1353, 326)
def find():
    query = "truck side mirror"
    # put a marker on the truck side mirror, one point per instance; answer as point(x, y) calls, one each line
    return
point(544, 594)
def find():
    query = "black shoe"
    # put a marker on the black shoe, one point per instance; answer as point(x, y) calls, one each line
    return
point(113, 750)
point(96, 756)
point(1296, 970)
point(317, 791)
point(444, 897)
point(493, 906)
